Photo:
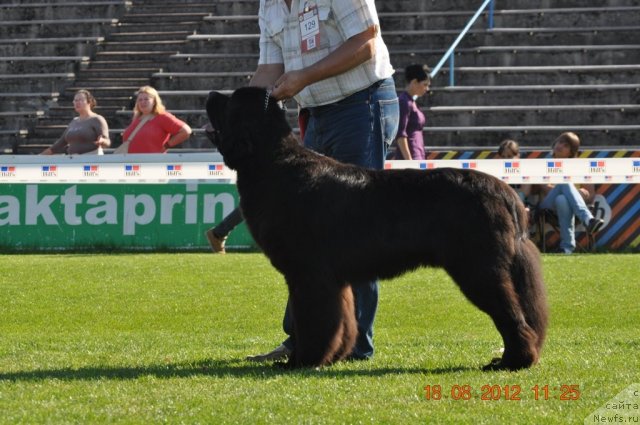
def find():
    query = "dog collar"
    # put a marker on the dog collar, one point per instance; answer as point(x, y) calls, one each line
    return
point(266, 99)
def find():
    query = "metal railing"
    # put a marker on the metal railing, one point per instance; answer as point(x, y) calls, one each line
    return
point(450, 53)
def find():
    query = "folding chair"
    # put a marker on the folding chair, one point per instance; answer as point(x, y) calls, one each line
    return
point(546, 216)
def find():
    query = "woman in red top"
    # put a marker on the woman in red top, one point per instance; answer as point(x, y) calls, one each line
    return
point(154, 130)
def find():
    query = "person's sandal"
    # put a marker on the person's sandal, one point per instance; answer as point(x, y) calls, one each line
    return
point(216, 243)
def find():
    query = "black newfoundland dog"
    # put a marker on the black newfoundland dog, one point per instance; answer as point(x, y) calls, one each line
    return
point(324, 225)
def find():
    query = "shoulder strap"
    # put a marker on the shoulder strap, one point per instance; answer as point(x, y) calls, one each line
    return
point(142, 122)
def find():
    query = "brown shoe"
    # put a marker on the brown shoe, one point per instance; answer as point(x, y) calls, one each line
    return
point(280, 353)
point(216, 243)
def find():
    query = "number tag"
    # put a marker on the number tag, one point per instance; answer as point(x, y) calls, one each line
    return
point(309, 28)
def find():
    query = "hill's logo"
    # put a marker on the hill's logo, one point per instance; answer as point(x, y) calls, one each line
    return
point(7, 171)
point(469, 165)
point(597, 167)
point(174, 170)
point(91, 170)
point(512, 167)
point(216, 169)
point(132, 170)
point(427, 165)
point(49, 170)
point(554, 167)
point(636, 167)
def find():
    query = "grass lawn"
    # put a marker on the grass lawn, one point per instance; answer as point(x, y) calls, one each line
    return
point(151, 338)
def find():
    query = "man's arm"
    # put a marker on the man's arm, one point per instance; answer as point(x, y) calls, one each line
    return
point(353, 52)
point(266, 75)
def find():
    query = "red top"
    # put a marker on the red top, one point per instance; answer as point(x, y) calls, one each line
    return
point(152, 136)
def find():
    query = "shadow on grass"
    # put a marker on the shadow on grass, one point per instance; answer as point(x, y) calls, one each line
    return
point(209, 367)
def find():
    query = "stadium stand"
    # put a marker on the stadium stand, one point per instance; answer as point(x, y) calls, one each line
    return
point(546, 67)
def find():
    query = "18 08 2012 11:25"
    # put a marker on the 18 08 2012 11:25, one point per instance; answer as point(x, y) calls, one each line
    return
point(496, 392)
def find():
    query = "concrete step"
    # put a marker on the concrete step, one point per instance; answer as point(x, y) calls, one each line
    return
point(454, 5)
point(491, 116)
point(530, 135)
point(234, 24)
point(68, 112)
point(39, 10)
point(148, 36)
point(172, 7)
point(213, 62)
point(200, 80)
point(236, 7)
point(535, 95)
point(34, 28)
point(154, 26)
point(42, 64)
point(561, 55)
point(95, 83)
point(166, 17)
point(133, 56)
point(83, 46)
point(38, 82)
point(442, 39)
point(101, 92)
point(94, 73)
point(541, 75)
point(11, 101)
point(511, 18)
point(121, 64)
point(171, 46)
point(222, 43)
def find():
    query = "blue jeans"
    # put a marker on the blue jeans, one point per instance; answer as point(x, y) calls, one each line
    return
point(567, 202)
point(356, 130)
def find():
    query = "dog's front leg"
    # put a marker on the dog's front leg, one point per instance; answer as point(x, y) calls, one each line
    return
point(323, 321)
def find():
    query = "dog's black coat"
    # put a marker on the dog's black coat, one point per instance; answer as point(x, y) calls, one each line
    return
point(325, 225)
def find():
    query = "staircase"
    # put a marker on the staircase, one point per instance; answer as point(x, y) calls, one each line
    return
point(146, 37)
point(548, 67)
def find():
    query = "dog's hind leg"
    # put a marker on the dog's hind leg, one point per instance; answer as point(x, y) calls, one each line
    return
point(493, 292)
point(324, 321)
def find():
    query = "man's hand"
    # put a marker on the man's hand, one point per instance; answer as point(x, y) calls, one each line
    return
point(288, 85)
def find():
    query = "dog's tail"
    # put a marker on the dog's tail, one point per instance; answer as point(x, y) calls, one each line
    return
point(526, 274)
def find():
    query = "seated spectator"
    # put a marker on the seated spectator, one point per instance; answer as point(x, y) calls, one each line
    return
point(567, 200)
point(87, 133)
point(510, 149)
point(409, 140)
point(153, 129)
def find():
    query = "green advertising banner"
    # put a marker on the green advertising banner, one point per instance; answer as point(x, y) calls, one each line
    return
point(66, 216)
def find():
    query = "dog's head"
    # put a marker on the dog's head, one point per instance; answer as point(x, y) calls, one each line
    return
point(248, 124)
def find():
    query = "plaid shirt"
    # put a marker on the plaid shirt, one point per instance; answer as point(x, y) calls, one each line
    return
point(280, 42)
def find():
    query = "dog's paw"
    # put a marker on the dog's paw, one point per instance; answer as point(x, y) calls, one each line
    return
point(495, 364)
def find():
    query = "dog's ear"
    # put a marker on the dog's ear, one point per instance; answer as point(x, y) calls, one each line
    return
point(216, 107)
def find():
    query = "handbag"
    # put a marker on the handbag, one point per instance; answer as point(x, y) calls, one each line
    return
point(124, 147)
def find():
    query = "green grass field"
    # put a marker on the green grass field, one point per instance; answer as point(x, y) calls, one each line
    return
point(161, 338)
